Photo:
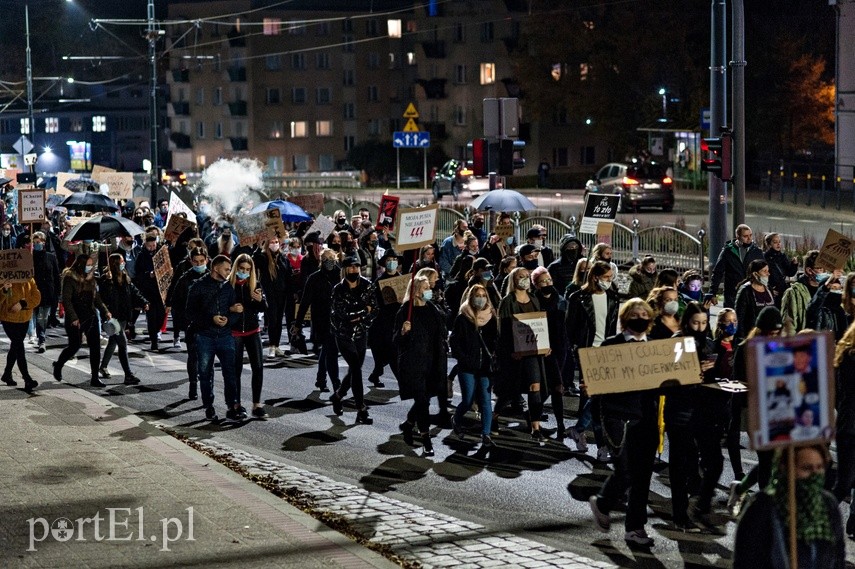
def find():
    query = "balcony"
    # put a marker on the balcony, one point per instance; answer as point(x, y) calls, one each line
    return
point(236, 74)
point(180, 140)
point(180, 75)
point(434, 88)
point(238, 143)
point(434, 49)
point(238, 109)
point(179, 109)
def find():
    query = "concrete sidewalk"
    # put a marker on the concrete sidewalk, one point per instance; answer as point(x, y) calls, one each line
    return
point(85, 484)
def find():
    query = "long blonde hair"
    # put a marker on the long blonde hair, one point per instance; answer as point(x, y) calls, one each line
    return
point(415, 287)
point(845, 346)
point(244, 258)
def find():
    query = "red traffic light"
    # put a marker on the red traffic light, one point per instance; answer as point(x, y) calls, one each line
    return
point(720, 163)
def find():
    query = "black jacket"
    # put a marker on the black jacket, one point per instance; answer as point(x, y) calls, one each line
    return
point(317, 295)
point(825, 312)
point(780, 267)
point(630, 405)
point(178, 300)
point(731, 268)
point(467, 347)
point(275, 288)
point(353, 309)
point(581, 322)
point(247, 321)
point(46, 273)
point(208, 298)
point(422, 353)
point(121, 299)
point(80, 298)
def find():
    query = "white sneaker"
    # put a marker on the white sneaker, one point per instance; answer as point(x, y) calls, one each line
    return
point(638, 537)
point(603, 454)
point(271, 353)
point(176, 344)
point(579, 439)
point(278, 353)
point(734, 499)
point(159, 336)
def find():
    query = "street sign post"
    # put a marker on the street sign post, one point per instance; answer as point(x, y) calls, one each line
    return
point(410, 139)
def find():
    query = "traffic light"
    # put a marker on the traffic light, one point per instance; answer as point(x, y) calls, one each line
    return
point(506, 157)
point(720, 162)
point(480, 157)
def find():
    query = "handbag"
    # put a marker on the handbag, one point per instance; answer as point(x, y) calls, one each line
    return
point(298, 343)
point(494, 361)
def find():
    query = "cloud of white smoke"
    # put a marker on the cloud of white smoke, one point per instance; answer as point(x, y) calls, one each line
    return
point(228, 181)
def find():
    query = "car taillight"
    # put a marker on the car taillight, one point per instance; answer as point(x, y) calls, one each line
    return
point(666, 180)
point(465, 172)
point(629, 182)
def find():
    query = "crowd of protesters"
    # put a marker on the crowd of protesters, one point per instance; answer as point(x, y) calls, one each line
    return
point(227, 299)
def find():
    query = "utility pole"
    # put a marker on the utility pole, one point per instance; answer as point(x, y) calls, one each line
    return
point(718, 112)
point(152, 33)
point(738, 100)
point(30, 119)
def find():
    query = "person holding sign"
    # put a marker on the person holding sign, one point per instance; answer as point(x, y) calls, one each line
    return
point(17, 301)
point(519, 372)
point(630, 428)
point(762, 532)
point(82, 303)
point(419, 336)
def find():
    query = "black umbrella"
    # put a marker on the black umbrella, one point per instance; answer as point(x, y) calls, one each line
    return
point(99, 227)
point(89, 201)
point(78, 184)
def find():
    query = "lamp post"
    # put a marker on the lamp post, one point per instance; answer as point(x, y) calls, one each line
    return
point(31, 127)
point(664, 94)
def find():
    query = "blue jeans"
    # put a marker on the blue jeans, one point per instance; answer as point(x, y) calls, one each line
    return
point(40, 317)
point(223, 347)
point(472, 387)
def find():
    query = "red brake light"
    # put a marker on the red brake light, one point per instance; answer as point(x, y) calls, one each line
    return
point(667, 180)
point(629, 182)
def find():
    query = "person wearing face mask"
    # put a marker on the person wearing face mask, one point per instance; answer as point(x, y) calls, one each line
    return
point(691, 287)
point(317, 297)
point(825, 310)
point(664, 301)
point(162, 213)
point(781, 267)
point(121, 297)
point(46, 275)
point(630, 429)
point(452, 246)
point(8, 239)
point(180, 318)
point(420, 339)
point(275, 275)
point(732, 264)
point(762, 534)
point(562, 269)
point(603, 252)
point(246, 332)
point(506, 265)
point(725, 341)
point(537, 236)
point(849, 298)
point(81, 299)
point(354, 307)
point(369, 255)
point(753, 295)
point(643, 277)
point(797, 297)
point(481, 274)
point(528, 257)
point(591, 317)
point(382, 329)
point(519, 374)
point(473, 344)
point(477, 229)
point(146, 282)
point(554, 305)
point(348, 243)
point(457, 285)
point(341, 223)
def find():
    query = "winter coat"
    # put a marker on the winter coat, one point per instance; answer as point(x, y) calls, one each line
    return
point(581, 322)
point(467, 346)
point(275, 288)
point(178, 301)
point(27, 293)
point(845, 397)
point(247, 321)
point(641, 284)
point(825, 312)
point(780, 267)
point(145, 279)
point(422, 353)
point(731, 267)
point(80, 298)
point(121, 299)
point(795, 302)
point(516, 375)
point(561, 270)
point(746, 308)
point(46, 274)
point(553, 306)
point(317, 295)
point(353, 309)
point(208, 298)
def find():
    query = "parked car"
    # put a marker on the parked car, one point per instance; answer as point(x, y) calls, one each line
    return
point(457, 176)
point(174, 178)
point(639, 184)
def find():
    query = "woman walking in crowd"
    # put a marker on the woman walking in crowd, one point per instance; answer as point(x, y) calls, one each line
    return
point(247, 332)
point(844, 364)
point(275, 272)
point(629, 422)
point(520, 373)
point(506, 265)
point(17, 301)
point(121, 297)
point(383, 327)
point(849, 298)
point(664, 301)
point(780, 266)
point(420, 336)
point(481, 273)
point(825, 310)
point(354, 306)
point(753, 294)
point(552, 303)
point(724, 346)
point(181, 320)
point(82, 304)
point(473, 345)
point(438, 297)
point(46, 274)
point(762, 535)
point(592, 315)
point(295, 280)
point(317, 297)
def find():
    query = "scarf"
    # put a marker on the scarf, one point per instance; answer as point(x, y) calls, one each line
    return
point(479, 318)
point(812, 520)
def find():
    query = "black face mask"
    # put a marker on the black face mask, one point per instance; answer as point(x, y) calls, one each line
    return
point(479, 224)
point(530, 265)
point(548, 291)
point(341, 221)
point(638, 325)
point(336, 247)
point(570, 254)
point(351, 277)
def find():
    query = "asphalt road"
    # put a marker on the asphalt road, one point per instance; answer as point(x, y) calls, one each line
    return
point(519, 487)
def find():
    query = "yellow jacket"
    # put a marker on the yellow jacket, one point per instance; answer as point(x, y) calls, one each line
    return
point(27, 294)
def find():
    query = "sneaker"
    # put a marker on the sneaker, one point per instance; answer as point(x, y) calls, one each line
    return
point(159, 336)
point(638, 538)
point(687, 526)
point(29, 385)
point(407, 432)
point(95, 382)
point(487, 442)
point(211, 414)
point(321, 386)
point(131, 379)
point(537, 436)
point(41, 348)
point(734, 499)
point(602, 521)
point(375, 381)
point(176, 344)
point(104, 373)
point(238, 414)
point(428, 445)
point(580, 440)
point(337, 407)
point(362, 417)
point(57, 371)
point(603, 454)
point(259, 413)
point(458, 430)
point(154, 347)
point(271, 353)
point(278, 353)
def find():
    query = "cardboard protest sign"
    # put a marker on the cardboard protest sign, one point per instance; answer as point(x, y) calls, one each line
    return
point(250, 228)
point(504, 230)
point(416, 227)
point(273, 224)
point(599, 208)
point(162, 271)
point(297, 311)
point(175, 226)
point(636, 366)
point(61, 179)
point(176, 205)
point(120, 184)
point(16, 265)
point(311, 203)
point(531, 334)
point(31, 206)
point(836, 251)
point(97, 170)
point(388, 213)
point(790, 390)
point(393, 289)
point(323, 224)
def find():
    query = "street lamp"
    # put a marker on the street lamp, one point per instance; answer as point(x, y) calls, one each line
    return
point(664, 94)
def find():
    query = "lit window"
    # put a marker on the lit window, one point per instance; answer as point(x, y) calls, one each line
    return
point(25, 126)
point(51, 124)
point(411, 58)
point(394, 27)
point(488, 73)
point(99, 123)
point(201, 161)
point(299, 129)
point(276, 129)
point(323, 128)
point(272, 26)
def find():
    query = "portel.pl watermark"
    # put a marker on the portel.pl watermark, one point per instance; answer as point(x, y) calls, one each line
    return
point(116, 527)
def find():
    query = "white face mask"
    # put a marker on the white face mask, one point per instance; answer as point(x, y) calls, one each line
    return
point(605, 285)
point(524, 284)
point(671, 307)
point(479, 302)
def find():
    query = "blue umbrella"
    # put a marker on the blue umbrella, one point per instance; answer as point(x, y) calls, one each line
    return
point(290, 211)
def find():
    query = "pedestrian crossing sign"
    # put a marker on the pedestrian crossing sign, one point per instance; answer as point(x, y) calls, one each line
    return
point(411, 126)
